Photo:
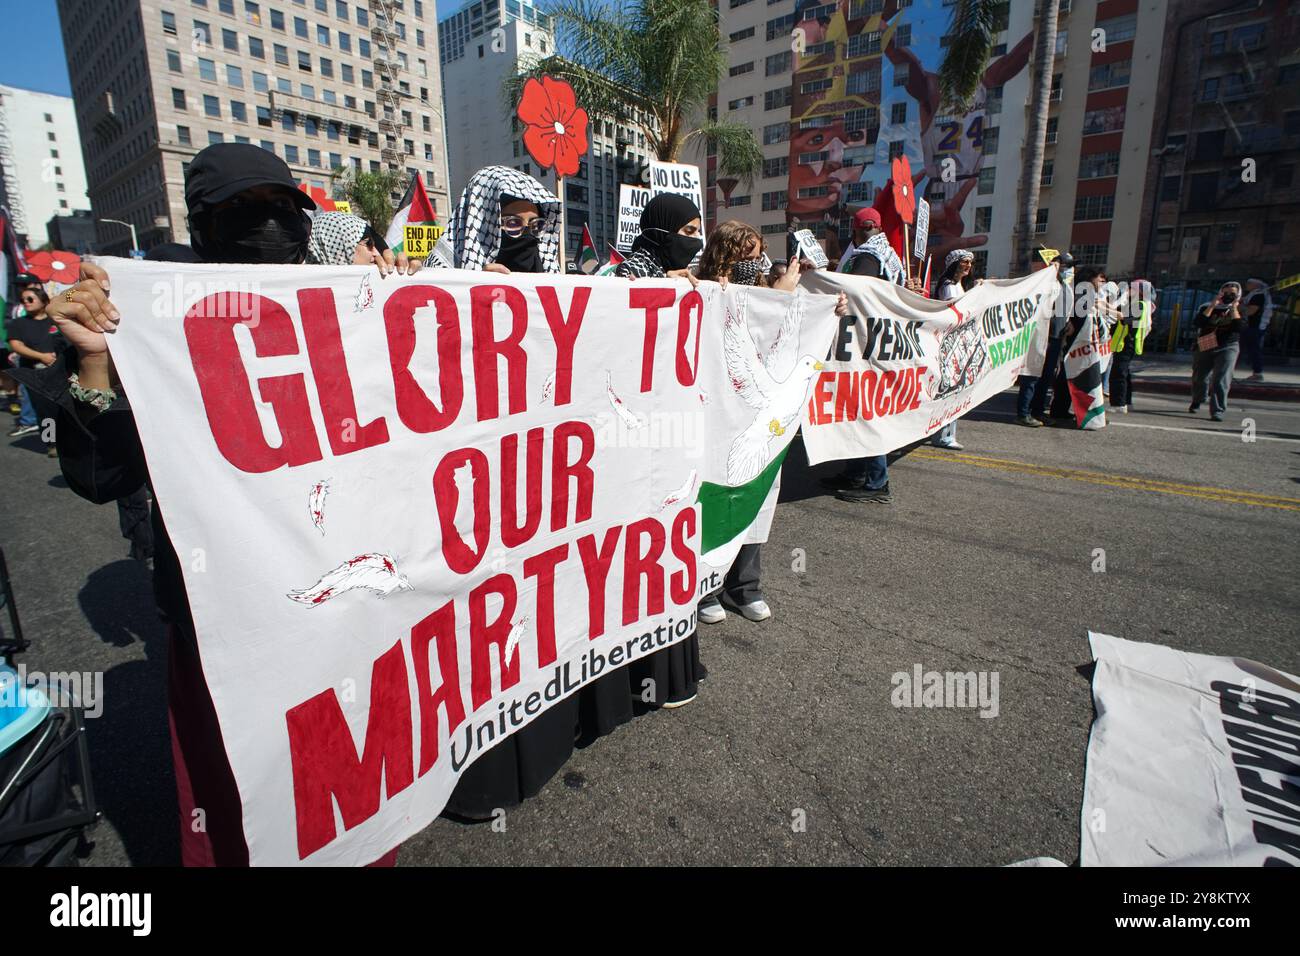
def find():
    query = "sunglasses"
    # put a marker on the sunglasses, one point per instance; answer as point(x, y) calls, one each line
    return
point(514, 225)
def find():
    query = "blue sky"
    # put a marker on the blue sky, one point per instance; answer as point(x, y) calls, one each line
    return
point(33, 57)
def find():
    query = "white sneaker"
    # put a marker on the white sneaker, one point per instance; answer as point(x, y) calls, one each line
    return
point(712, 613)
point(1120, 409)
point(951, 445)
point(756, 611)
point(674, 704)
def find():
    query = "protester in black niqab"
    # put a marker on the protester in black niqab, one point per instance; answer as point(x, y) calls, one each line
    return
point(661, 247)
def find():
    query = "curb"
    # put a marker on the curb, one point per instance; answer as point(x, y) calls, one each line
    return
point(1264, 393)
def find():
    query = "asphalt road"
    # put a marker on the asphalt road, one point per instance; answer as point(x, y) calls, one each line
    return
point(984, 562)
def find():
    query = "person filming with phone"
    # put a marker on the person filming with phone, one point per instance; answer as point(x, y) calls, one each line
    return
point(1218, 342)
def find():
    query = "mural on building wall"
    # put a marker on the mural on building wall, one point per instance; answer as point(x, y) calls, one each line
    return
point(865, 84)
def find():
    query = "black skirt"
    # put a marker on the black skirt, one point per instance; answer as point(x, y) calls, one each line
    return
point(519, 766)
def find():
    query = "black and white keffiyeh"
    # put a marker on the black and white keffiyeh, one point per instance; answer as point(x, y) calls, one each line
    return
point(642, 264)
point(476, 222)
point(891, 267)
point(334, 239)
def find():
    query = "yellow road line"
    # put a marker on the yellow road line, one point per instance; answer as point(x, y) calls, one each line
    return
point(1131, 482)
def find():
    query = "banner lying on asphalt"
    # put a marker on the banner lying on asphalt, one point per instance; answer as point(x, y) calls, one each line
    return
point(903, 366)
point(414, 513)
point(1193, 760)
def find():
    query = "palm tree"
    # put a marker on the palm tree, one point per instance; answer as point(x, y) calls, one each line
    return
point(973, 27)
point(371, 194)
point(651, 65)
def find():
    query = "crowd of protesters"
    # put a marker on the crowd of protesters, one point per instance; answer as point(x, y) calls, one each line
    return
point(244, 207)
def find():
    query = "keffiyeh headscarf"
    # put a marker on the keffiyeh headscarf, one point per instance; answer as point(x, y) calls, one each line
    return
point(956, 256)
point(334, 239)
point(476, 223)
point(890, 265)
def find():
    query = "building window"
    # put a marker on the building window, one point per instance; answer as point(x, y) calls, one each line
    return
point(277, 20)
point(234, 77)
point(1272, 233)
point(211, 106)
point(300, 27)
point(1052, 125)
point(1108, 75)
point(345, 42)
point(183, 135)
point(281, 54)
point(1098, 165)
point(1106, 120)
point(207, 70)
point(169, 23)
point(1040, 222)
point(739, 35)
point(864, 44)
point(1091, 254)
point(779, 26)
point(291, 154)
point(816, 86)
point(259, 82)
point(327, 67)
point(1118, 29)
point(323, 35)
point(812, 192)
point(1164, 240)
point(178, 99)
point(263, 116)
point(304, 61)
point(202, 33)
point(238, 111)
point(776, 133)
point(230, 40)
point(779, 166)
point(741, 68)
point(779, 63)
point(255, 49)
point(740, 104)
point(987, 181)
point(1087, 208)
point(898, 113)
point(214, 138)
point(778, 98)
point(983, 218)
point(173, 61)
point(1171, 189)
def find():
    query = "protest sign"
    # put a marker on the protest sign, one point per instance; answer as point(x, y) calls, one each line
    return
point(680, 178)
point(413, 514)
point(922, 229)
point(1191, 761)
point(631, 200)
point(418, 241)
point(902, 366)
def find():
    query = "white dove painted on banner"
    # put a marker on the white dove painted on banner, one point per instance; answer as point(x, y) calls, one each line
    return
point(778, 402)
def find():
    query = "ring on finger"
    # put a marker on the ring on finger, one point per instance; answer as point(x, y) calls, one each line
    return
point(67, 296)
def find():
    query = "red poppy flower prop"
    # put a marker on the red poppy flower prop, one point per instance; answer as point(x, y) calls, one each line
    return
point(555, 133)
point(60, 267)
point(904, 195)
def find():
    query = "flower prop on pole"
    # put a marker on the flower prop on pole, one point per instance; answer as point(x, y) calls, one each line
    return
point(904, 201)
point(60, 267)
point(555, 133)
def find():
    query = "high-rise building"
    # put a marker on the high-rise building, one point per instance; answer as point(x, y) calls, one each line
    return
point(484, 44)
point(1222, 196)
point(40, 155)
point(834, 91)
point(321, 83)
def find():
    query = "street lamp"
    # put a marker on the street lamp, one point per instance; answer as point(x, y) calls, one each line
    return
point(134, 244)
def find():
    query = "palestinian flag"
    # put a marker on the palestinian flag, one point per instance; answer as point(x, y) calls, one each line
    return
point(1083, 368)
point(415, 210)
point(11, 259)
point(588, 261)
point(615, 257)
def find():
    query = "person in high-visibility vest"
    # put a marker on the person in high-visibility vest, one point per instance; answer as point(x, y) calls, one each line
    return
point(1130, 333)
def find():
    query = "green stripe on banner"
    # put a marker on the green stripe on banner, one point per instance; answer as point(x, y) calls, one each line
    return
point(729, 511)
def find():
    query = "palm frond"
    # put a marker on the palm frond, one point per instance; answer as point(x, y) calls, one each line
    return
point(738, 152)
point(972, 30)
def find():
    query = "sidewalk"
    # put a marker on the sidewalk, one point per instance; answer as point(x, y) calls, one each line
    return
point(1166, 372)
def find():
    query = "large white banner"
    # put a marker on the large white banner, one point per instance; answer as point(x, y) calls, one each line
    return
point(1193, 760)
point(902, 366)
point(413, 513)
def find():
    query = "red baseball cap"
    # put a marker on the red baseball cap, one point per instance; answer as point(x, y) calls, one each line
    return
point(866, 217)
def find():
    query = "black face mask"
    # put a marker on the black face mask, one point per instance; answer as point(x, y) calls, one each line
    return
point(680, 251)
point(748, 271)
point(520, 253)
point(256, 232)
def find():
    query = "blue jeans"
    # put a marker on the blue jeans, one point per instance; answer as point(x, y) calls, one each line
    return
point(1033, 391)
point(874, 471)
point(28, 414)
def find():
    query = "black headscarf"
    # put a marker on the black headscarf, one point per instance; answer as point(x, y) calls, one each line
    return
point(662, 217)
point(520, 253)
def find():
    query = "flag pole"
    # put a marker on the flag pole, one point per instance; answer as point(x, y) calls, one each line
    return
point(564, 232)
